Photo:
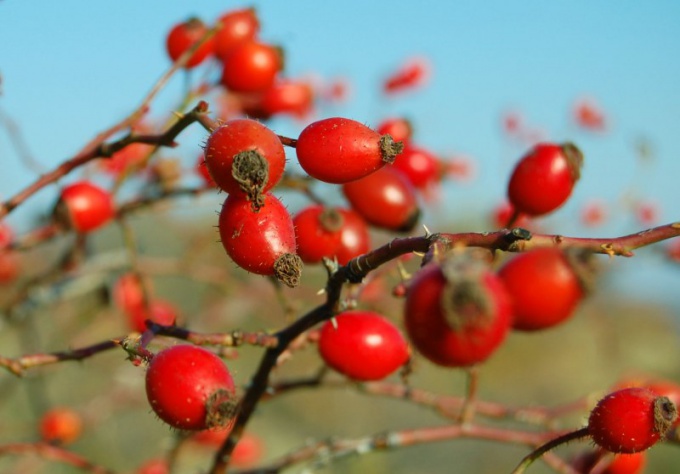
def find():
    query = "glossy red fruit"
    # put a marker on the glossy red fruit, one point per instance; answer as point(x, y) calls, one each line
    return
point(190, 388)
point(385, 198)
point(245, 158)
point(330, 232)
point(502, 213)
point(185, 35)
point(338, 150)
point(86, 207)
point(419, 166)
point(261, 242)
point(288, 96)
point(543, 286)
point(544, 178)
point(363, 345)
point(457, 313)
point(633, 463)
point(61, 426)
point(160, 312)
point(251, 66)
point(128, 293)
point(398, 128)
point(630, 420)
point(238, 26)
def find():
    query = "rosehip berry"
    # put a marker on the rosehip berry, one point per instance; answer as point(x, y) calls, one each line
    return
point(245, 158)
point(386, 199)
point(128, 293)
point(61, 426)
point(202, 171)
point(457, 312)
point(247, 452)
point(419, 166)
point(543, 286)
point(85, 207)
point(251, 66)
point(338, 150)
point(330, 232)
point(160, 312)
point(183, 36)
point(261, 242)
point(363, 345)
point(411, 74)
point(238, 26)
point(588, 115)
point(190, 388)
point(633, 463)
point(502, 214)
point(398, 128)
point(630, 420)
point(294, 97)
point(544, 178)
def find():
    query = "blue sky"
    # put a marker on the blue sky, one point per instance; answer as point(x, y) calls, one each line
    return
point(71, 68)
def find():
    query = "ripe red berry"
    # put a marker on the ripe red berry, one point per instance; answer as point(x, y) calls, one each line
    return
point(247, 452)
point(85, 207)
point(398, 128)
point(338, 150)
point(245, 158)
point(543, 286)
point(61, 426)
point(128, 293)
point(544, 178)
point(457, 313)
point(261, 242)
point(159, 311)
point(633, 463)
point(237, 26)
point(588, 115)
point(413, 73)
point(502, 214)
point(288, 96)
point(419, 166)
point(183, 36)
point(363, 345)
point(251, 66)
point(630, 420)
point(330, 232)
point(190, 388)
point(202, 171)
point(385, 198)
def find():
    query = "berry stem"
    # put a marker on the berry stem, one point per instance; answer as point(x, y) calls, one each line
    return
point(286, 141)
point(552, 444)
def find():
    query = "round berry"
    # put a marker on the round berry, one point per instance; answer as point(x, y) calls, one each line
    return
point(245, 158)
point(251, 66)
point(61, 426)
point(398, 128)
point(238, 26)
point(544, 178)
point(386, 199)
point(330, 232)
point(185, 35)
point(190, 388)
point(85, 207)
point(159, 311)
point(630, 420)
point(338, 150)
point(543, 286)
point(261, 241)
point(363, 345)
point(419, 166)
point(633, 463)
point(293, 97)
point(457, 312)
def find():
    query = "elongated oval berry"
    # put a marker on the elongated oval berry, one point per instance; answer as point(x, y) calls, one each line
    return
point(330, 232)
point(338, 150)
point(544, 178)
point(85, 207)
point(385, 198)
point(190, 388)
point(251, 66)
point(363, 345)
point(457, 313)
point(245, 158)
point(543, 286)
point(261, 242)
point(631, 420)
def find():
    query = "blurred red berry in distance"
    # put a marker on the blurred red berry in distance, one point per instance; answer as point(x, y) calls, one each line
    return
point(203, 173)
point(646, 213)
point(337, 90)
point(502, 213)
point(288, 96)
point(6, 235)
point(512, 123)
point(128, 293)
point(420, 166)
point(458, 168)
point(154, 466)
point(588, 115)
point(85, 207)
point(61, 425)
point(673, 250)
point(160, 311)
point(412, 74)
point(183, 36)
point(594, 213)
point(129, 158)
point(398, 128)
point(251, 66)
point(237, 26)
point(247, 452)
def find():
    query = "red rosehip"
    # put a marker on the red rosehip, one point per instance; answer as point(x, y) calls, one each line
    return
point(419, 166)
point(385, 198)
point(294, 97)
point(543, 287)
point(238, 26)
point(593, 214)
point(588, 115)
point(363, 345)
point(128, 293)
point(544, 178)
point(202, 171)
point(261, 242)
point(85, 207)
point(633, 463)
point(251, 66)
point(330, 232)
point(190, 388)
point(183, 36)
point(457, 313)
point(61, 426)
point(159, 311)
point(398, 128)
point(247, 452)
point(502, 214)
point(245, 158)
point(338, 150)
point(630, 420)
point(413, 73)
